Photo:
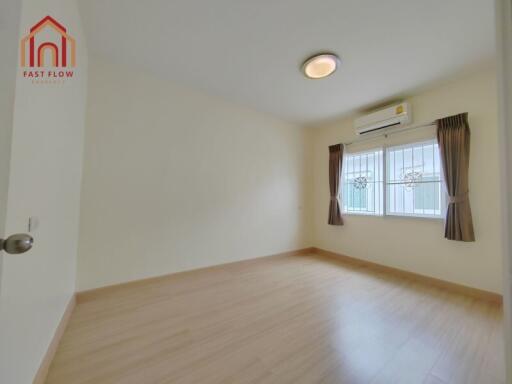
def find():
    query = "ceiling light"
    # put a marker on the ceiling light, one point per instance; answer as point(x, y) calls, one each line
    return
point(320, 66)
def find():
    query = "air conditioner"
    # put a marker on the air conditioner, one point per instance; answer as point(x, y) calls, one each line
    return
point(393, 116)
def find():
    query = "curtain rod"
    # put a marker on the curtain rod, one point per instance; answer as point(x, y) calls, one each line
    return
point(408, 128)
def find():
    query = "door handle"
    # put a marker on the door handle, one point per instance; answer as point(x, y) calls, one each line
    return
point(15, 244)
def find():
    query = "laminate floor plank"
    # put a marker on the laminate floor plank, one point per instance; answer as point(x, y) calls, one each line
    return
point(279, 320)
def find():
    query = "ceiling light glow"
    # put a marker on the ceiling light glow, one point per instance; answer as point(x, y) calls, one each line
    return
point(320, 66)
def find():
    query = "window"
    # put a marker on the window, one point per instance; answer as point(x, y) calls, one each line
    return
point(413, 180)
point(362, 183)
point(410, 184)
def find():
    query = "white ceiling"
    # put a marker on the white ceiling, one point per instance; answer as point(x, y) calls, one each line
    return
point(250, 51)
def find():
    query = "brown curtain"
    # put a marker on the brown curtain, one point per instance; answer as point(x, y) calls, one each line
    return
point(453, 138)
point(335, 164)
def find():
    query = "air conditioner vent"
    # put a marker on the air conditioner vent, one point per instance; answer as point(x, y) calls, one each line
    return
point(393, 116)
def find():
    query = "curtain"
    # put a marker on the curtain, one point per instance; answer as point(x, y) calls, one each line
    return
point(335, 165)
point(453, 138)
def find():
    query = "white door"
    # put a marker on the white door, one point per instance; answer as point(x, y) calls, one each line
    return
point(9, 27)
point(41, 146)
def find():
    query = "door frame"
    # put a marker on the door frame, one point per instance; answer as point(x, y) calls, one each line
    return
point(503, 9)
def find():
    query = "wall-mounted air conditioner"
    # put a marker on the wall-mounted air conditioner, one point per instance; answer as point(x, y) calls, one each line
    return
point(389, 117)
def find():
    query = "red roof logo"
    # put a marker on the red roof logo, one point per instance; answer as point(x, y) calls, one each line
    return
point(61, 47)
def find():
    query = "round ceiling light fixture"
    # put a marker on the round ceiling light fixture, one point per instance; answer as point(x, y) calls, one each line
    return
point(320, 65)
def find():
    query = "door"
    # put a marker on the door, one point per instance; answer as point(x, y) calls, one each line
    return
point(504, 48)
point(9, 27)
point(41, 144)
point(10, 12)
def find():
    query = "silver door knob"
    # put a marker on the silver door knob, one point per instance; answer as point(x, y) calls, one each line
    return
point(19, 243)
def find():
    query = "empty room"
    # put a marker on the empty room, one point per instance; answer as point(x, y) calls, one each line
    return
point(241, 191)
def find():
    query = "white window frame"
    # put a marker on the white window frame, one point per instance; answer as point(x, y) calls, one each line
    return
point(382, 201)
point(443, 202)
point(385, 213)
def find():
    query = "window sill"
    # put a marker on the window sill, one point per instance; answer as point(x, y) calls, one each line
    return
point(361, 214)
point(393, 216)
point(435, 218)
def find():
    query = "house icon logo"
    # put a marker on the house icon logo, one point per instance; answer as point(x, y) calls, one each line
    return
point(48, 52)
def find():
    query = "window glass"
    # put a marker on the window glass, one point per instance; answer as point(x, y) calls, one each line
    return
point(413, 180)
point(362, 184)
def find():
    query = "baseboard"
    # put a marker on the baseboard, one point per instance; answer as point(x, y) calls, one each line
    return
point(454, 287)
point(42, 372)
point(91, 294)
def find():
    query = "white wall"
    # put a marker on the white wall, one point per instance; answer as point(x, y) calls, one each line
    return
point(45, 175)
point(418, 245)
point(176, 180)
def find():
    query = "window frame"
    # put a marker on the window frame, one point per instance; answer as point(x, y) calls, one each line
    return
point(385, 211)
point(382, 203)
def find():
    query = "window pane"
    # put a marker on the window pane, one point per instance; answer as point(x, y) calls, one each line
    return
point(413, 182)
point(362, 183)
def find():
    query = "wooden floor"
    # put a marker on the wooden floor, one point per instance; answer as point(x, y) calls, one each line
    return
point(294, 319)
